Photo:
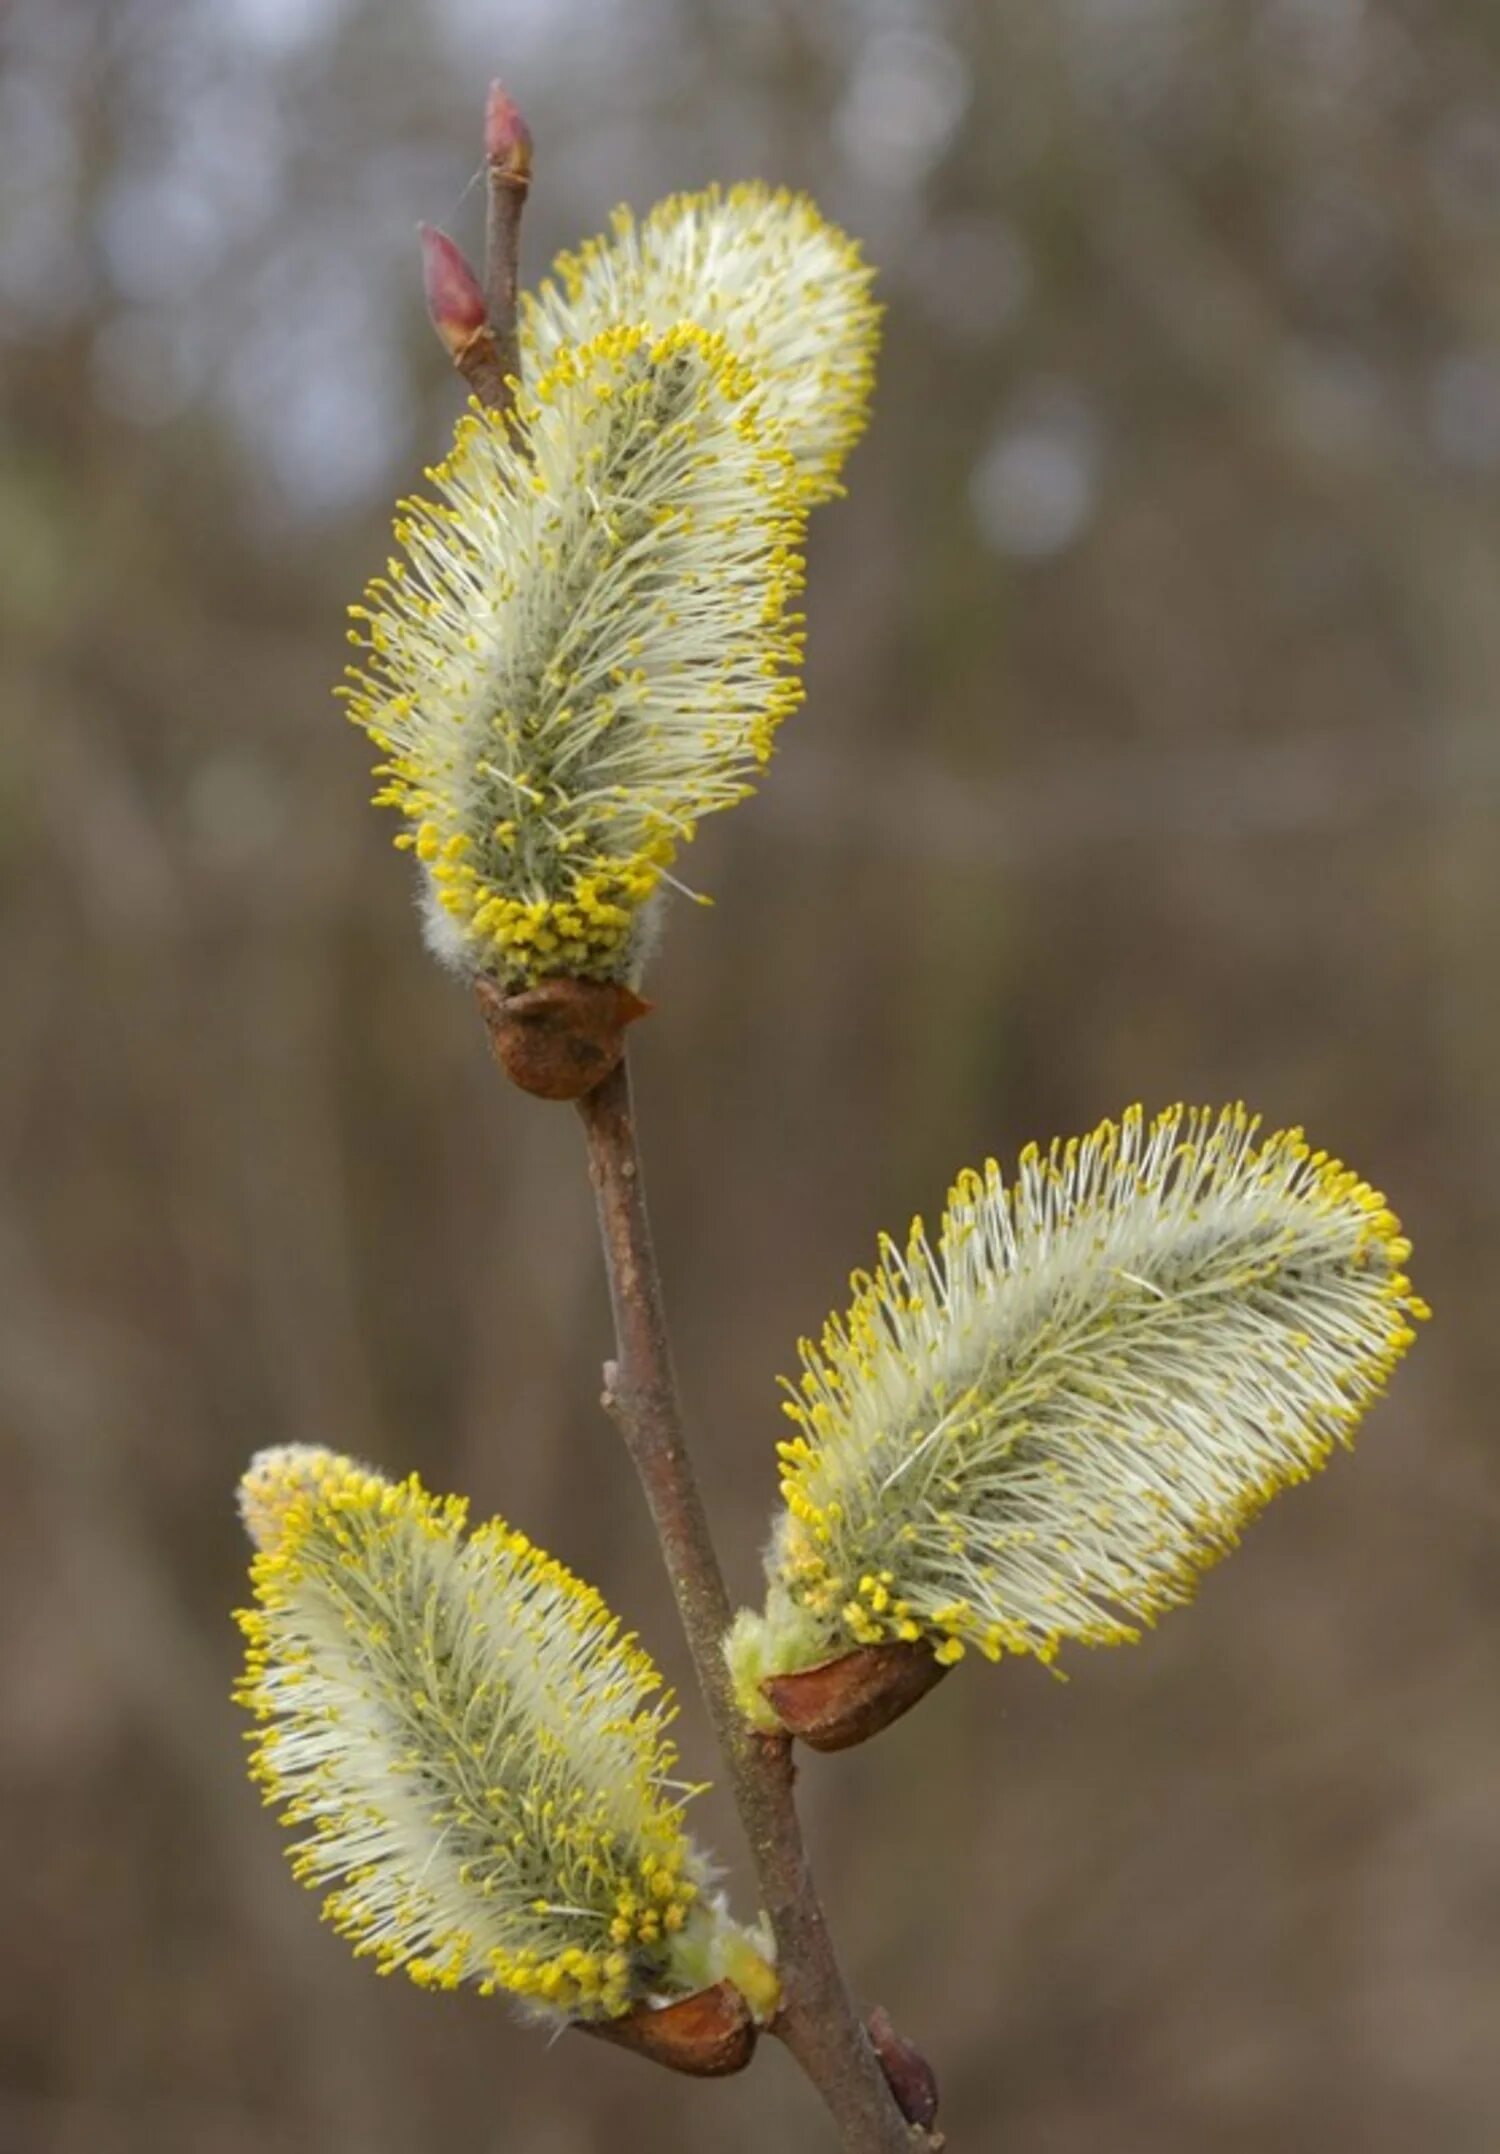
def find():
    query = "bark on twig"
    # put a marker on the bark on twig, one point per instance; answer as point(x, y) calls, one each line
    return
point(507, 169)
point(817, 2020)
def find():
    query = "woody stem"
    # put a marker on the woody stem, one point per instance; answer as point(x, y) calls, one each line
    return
point(817, 2019)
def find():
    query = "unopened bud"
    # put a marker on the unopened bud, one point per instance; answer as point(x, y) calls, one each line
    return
point(507, 138)
point(911, 2079)
point(454, 299)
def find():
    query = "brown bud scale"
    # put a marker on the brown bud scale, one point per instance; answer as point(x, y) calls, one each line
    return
point(842, 1702)
point(560, 1039)
point(708, 2035)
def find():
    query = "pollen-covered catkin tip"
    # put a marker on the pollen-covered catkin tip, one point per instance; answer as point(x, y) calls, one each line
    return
point(454, 299)
point(789, 292)
point(279, 1477)
point(1042, 1427)
point(477, 1760)
point(507, 138)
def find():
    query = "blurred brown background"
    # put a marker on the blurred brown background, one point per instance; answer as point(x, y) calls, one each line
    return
point(1151, 751)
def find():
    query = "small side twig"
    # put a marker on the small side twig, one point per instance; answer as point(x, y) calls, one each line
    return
point(477, 323)
point(507, 168)
point(817, 2020)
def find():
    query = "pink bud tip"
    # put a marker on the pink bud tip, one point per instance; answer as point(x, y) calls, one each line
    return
point(507, 138)
point(454, 299)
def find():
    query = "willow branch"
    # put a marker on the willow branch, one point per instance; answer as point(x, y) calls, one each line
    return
point(507, 170)
point(477, 322)
point(817, 2020)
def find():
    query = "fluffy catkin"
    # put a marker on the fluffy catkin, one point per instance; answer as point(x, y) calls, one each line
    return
point(590, 644)
point(1044, 1428)
point(475, 1756)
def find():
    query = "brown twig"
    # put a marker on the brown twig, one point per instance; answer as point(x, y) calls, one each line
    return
point(817, 2020)
point(477, 323)
point(507, 166)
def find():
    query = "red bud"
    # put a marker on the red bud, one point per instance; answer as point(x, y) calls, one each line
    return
point(454, 299)
point(507, 138)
